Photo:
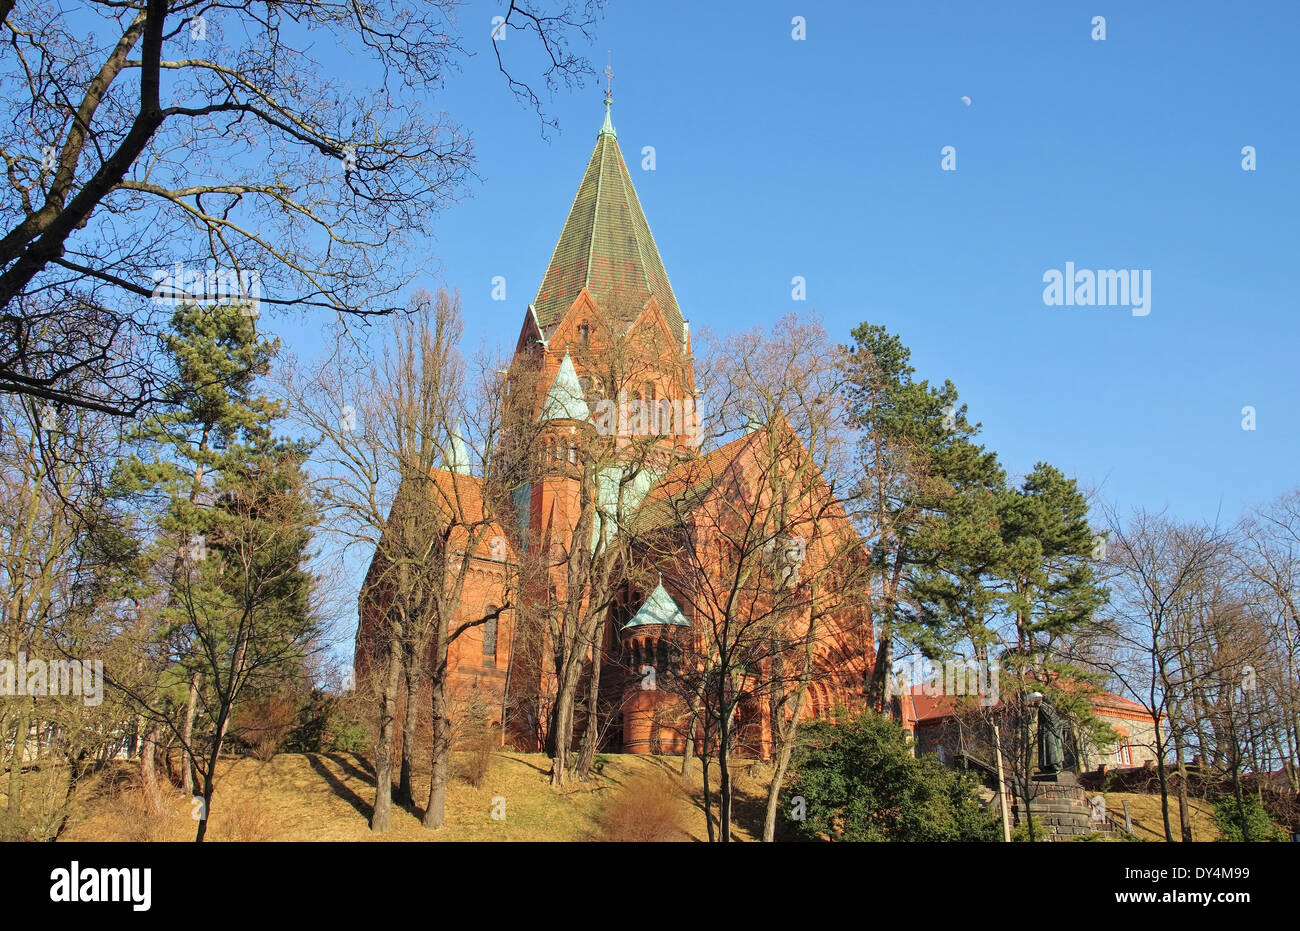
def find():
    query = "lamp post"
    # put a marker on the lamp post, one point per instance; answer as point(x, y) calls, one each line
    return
point(1002, 783)
point(1032, 700)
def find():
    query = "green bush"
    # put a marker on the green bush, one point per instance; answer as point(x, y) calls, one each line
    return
point(326, 723)
point(859, 781)
point(1020, 833)
point(1227, 816)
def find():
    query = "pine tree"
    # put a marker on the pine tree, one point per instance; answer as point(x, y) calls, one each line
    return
point(1050, 588)
point(230, 529)
point(931, 503)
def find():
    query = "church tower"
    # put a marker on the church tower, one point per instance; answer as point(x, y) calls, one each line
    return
point(605, 339)
point(604, 352)
point(606, 302)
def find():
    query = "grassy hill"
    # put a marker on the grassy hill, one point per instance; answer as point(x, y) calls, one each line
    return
point(1148, 823)
point(327, 797)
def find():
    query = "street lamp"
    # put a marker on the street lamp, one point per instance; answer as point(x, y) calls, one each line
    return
point(1032, 700)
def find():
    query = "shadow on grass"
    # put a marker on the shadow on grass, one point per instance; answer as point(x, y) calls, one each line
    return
point(358, 766)
point(341, 789)
point(544, 770)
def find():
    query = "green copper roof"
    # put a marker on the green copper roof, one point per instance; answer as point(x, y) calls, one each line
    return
point(565, 400)
point(457, 458)
point(659, 608)
point(606, 247)
point(607, 129)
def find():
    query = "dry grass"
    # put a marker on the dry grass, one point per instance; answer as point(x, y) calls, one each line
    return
point(1148, 823)
point(327, 797)
point(648, 807)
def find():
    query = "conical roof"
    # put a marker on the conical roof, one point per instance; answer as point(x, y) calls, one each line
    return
point(565, 400)
point(457, 459)
point(659, 608)
point(606, 247)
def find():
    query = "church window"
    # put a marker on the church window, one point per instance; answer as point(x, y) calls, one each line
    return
point(490, 637)
point(584, 331)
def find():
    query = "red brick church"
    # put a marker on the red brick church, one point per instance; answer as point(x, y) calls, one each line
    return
point(608, 348)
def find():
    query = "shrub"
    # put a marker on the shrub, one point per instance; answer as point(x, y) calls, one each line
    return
point(476, 759)
point(328, 723)
point(860, 782)
point(262, 723)
point(1227, 816)
point(643, 809)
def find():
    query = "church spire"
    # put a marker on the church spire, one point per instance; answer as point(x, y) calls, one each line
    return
point(605, 246)
point(608, 128)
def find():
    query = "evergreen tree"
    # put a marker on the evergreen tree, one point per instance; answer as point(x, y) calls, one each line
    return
point(231, 522)
point(1050, 588)
point(858, 781)
point(930, 513)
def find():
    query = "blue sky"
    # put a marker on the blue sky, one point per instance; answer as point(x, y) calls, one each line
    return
point(821, 158)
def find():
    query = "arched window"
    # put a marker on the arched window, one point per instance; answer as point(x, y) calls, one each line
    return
point(490, 637)
point(584, 332)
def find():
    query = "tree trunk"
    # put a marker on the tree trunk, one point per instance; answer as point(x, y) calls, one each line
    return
point(1184, 806)
point(724, 784)
point(774, 789)
point(405, 794)
point(882, 675)
point(148, 772)
point(16, 765)
point(381, 817)
point(688, 749)
point(708, 797)
point(1236, 791)
point(563, 730)
point(1164, 784)
point(210, 773)
point(187, 736)
point(788, 734)
point(591, 730)
point(441, 759)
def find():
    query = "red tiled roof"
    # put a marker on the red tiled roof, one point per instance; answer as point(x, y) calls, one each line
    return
point(462, 495)
point(919, 708)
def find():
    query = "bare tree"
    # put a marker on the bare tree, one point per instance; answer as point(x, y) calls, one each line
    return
point(1161, 575)
point(167, 150)
point(411, 470)
point(755, 538)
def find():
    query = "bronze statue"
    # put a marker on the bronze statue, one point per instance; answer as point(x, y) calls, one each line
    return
point(1051, 751)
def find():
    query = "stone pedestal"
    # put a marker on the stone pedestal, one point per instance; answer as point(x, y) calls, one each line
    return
point(1059, 807)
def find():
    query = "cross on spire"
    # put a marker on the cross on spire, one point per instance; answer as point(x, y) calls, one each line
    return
point(607, 128)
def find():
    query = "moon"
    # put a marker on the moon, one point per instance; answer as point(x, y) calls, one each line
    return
point(966, 101)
